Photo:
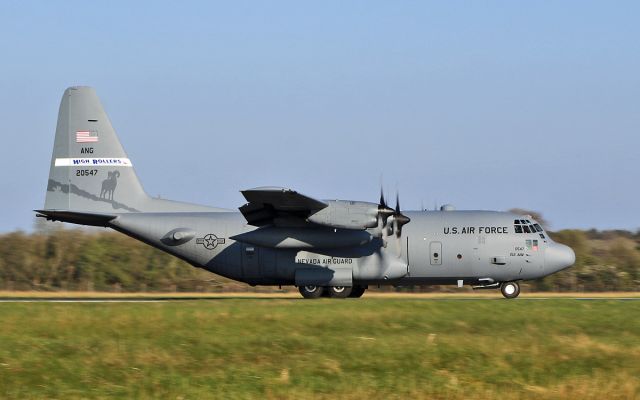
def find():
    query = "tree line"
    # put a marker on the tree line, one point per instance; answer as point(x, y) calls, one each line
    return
point(81, 260)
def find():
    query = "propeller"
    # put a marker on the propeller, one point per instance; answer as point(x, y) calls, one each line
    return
point(384, 211)
point(390, 221)
point(399, 219)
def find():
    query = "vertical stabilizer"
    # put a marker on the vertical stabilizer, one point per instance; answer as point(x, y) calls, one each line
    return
point(90, 171)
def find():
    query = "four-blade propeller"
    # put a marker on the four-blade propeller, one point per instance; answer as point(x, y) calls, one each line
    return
point(384, 211)
point(390, 221)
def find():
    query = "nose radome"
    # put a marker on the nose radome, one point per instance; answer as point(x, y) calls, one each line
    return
point(558, 257)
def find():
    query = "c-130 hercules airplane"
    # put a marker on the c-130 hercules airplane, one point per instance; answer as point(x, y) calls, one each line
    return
point(281, 237)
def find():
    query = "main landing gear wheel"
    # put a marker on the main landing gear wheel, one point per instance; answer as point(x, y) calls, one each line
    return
point(357, 291)
point(510, 290)
point(311, 291)
point(339, 292)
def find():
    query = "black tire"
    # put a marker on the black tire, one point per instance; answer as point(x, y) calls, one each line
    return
point(311, 291)
point(339, 292)
point(510, 290)
point(357, 291)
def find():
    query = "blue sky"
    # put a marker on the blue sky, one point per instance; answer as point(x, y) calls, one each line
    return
point(484, 105)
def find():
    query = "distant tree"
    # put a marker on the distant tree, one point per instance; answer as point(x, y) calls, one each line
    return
point(41, 225)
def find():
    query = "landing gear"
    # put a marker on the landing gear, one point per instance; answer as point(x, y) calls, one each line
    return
point(311, 291)
point(357, 291)
point(339, 292)
point(510, 290)
point(335, 292)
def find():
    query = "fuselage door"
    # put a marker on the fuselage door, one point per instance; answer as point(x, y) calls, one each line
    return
point(250, 261)
point(435, 252)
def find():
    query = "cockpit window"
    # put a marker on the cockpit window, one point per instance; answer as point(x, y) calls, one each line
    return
point(527, 226)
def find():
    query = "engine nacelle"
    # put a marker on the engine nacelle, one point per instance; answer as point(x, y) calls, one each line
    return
point(347, 214)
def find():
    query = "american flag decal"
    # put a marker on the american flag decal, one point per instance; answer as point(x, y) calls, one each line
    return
point(86, 137)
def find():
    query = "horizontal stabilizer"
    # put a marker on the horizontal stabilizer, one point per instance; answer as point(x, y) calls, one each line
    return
point(74, 217)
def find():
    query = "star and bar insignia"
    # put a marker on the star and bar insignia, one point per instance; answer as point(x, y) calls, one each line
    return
point(210, 241)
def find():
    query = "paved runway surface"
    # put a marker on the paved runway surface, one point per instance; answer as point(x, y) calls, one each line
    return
point(248, 297)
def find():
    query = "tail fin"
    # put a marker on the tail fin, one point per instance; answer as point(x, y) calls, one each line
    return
point(90, 171)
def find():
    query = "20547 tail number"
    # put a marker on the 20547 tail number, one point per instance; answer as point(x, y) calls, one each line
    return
point(86, 172)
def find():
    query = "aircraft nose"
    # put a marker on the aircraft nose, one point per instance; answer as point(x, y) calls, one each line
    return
point(558, 257)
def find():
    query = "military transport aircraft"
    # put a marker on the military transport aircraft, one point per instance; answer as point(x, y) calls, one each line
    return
point(281, 237)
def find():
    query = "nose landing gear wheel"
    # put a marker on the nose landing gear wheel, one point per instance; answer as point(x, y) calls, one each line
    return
point(339, 292)
point(311, 291)
point(510, 290)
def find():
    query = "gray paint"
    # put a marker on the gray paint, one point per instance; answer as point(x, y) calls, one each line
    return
point(281, 237)
point(304, 238)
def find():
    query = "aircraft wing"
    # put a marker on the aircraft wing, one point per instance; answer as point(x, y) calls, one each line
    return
point(268, 205)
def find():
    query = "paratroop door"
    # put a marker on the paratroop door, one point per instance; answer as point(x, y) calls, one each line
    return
point(250, 261)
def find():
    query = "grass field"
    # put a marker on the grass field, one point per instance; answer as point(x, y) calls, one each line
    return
point(371, 348)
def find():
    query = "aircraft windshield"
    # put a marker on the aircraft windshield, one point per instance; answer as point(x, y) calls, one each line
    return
point(527, 226)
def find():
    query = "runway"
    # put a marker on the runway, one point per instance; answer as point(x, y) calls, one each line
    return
point(45, 300)
point(274, 297)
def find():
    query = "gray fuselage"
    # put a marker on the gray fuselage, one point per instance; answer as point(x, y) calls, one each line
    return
point(439, 247)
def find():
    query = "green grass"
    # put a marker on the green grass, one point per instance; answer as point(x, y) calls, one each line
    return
point(352, 349)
